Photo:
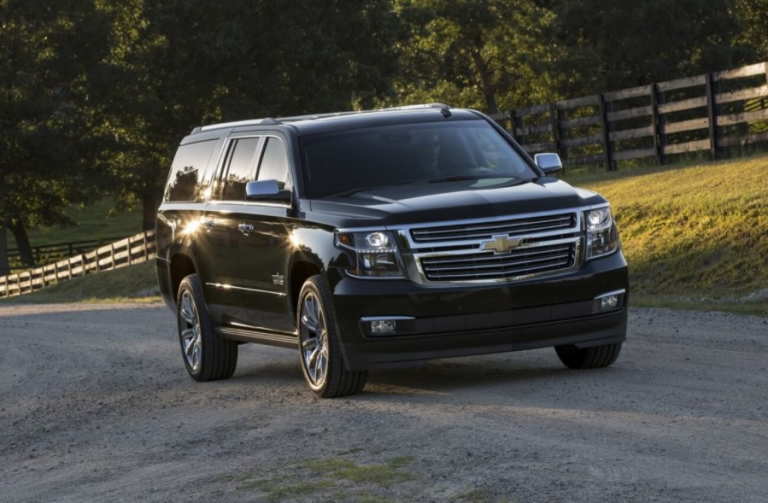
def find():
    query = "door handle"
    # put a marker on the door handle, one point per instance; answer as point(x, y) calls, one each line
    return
point(245, 228)
point(210, 224)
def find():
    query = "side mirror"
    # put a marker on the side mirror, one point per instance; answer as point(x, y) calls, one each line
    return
point(549, 163)
point(266, 191)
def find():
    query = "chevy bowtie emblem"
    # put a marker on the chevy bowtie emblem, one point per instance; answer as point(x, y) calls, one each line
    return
point(501, 244)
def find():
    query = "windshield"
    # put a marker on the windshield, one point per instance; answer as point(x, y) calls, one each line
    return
point(362, 159)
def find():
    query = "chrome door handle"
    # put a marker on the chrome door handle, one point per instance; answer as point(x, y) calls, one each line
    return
point(245, 228)
point(210, 224)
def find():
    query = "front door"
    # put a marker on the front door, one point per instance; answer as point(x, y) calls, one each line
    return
point(266, 247)
point(222, 241)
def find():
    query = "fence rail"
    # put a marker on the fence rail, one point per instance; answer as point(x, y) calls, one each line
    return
point(54, 252)
point(709, 112)
point(127, 251)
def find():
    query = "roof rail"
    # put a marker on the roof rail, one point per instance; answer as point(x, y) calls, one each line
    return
point(249, 122)
point(444, 109)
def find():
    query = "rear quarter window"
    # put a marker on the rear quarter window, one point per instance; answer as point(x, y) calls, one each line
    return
point(187, 167)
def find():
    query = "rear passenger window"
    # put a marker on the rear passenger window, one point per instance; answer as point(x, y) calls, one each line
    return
point(188, 165)
point(274, 162)
point(240, 169)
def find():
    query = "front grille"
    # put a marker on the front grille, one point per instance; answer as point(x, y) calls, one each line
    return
point(486, 230)
point(491, 266)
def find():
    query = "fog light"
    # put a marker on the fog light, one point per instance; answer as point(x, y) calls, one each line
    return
point(609, 302)
point(383, 326)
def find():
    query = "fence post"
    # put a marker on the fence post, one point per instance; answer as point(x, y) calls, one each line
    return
point(112, 255)
point(83, 262)
point(562, 133)
point(146, 246)
point(712, 114)
point(607, 146)
point(129, 251)
point(658, 124)
point(513, 126)
point(553, 117)
point(5, 286)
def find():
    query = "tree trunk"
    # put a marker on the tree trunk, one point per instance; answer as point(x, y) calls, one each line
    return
point(149, 204)
point(5, 267)
point(486, 75)
point(22, 242)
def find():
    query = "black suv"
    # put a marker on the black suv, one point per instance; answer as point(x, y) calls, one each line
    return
point(383, 238)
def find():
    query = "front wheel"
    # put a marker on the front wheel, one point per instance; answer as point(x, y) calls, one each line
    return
point(588, 358)
point(319, 348)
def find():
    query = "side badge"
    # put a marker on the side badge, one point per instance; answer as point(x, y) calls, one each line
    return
point(278, 279)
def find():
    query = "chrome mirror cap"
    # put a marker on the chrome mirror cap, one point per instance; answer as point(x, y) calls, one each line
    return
point(549, 163)
point(267, 191)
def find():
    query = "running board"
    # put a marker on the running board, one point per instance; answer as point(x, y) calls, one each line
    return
point(244, 335)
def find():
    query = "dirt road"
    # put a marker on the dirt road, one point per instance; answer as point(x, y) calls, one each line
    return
point(95, 405)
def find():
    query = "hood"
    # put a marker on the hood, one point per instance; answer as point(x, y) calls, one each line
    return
point(456, 200)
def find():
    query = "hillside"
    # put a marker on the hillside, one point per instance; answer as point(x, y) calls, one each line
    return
point(692, 233)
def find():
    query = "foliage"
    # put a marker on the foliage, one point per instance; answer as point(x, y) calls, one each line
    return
point(484, 54)
point(626, 43)
point(51, 134)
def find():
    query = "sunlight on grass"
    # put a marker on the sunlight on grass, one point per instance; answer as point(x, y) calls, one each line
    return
point(696, 231)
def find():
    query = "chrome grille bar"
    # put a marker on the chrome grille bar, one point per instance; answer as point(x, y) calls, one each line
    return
point(487, 229)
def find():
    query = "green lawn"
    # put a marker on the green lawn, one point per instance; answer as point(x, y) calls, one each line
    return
point(694, 235)
point(91, 222)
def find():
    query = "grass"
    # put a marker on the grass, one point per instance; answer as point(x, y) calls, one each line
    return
point(91, 222)
point(136, 283)
point(694, 236)
point(322, 478)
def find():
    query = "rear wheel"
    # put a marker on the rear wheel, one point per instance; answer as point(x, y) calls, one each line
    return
point(319, 350)
point(588, 358)
point(207, 356)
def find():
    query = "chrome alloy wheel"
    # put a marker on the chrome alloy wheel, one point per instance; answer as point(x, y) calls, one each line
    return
point(313, 335)
point(190, 331)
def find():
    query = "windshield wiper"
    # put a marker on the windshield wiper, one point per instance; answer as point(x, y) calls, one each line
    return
point(364, 188)
point(456, 178)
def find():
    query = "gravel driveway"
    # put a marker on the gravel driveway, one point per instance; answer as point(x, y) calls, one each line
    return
point(95, 405)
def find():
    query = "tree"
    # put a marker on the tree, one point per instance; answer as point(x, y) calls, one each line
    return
point(200, 62)
point(625, 43)
point(487, 54)
point(49, 65)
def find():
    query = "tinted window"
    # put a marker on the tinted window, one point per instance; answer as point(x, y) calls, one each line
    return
point(407, 154)
point(240, 169)
point(187, 166)
point(274, 162)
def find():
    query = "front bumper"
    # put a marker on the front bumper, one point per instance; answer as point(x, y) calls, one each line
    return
point(479, 319)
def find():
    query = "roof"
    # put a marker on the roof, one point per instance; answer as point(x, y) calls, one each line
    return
point(338, 121)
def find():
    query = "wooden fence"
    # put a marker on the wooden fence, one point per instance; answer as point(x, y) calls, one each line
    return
point(709, 112)
point(45, 254)
point(128, 251)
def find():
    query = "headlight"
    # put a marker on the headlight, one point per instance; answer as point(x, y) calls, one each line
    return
point(602, 236)
point(376, 254)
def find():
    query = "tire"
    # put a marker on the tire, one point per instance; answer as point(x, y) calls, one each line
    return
point(319, 349)
point(588, 358)
point(206, 356)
